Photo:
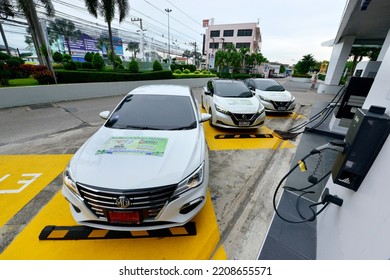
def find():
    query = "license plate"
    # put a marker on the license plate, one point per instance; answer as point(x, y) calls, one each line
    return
point(124, 217)
point(282, 108)
point(244, 123)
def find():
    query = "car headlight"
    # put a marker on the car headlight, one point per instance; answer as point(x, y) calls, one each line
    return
point(265, 99)
point(261, 109)
point(69, 182)
point(292, 99)
point(221, 110)
point(191, 182)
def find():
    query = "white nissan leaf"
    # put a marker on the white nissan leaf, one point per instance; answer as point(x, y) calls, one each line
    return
point(146, 167)
point(231, 104)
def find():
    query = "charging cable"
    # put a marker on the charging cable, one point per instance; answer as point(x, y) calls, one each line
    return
point(334, 145)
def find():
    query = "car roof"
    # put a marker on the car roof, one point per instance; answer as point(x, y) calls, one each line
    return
point(162, 90)
point(227, 81)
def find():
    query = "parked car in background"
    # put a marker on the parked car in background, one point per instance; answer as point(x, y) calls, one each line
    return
point(146, 167)
point(231, 104)
point(272, 95)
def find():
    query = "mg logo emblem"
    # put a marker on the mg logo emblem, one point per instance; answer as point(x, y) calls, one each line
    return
point(123, 202)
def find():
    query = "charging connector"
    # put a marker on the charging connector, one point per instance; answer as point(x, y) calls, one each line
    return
point(328, 198)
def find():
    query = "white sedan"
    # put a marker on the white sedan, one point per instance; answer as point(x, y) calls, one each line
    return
point(272, 94)
point(146, 167)
point(231, 104)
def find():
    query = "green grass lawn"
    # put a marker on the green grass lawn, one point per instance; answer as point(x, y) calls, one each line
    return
point(22, 82)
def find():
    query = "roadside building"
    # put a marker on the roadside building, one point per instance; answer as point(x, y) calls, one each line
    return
point(241, 35)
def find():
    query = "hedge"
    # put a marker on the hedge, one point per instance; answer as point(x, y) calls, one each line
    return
point(68, 77)
point(192, 75)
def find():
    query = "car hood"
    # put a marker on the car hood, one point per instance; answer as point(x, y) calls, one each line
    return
point(134, 159)
point(284, 96)
point(238, 105)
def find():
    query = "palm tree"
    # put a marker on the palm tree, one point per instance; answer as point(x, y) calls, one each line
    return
point(133, 47)
point(67, 29)
point(28, 9)
point(107, 9)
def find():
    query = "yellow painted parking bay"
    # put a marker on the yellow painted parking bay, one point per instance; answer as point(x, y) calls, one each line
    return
point(24, 176)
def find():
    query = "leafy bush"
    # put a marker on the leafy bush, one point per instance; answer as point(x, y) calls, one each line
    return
point(98, 61)
point(133, 66)
point(57, 57)
point(58, 66)
point(89, 57)
point(68, 77)
point(87, 65)
point(178, 71)
point(66, 57)
point(157, 66)
point(186, 71)
point(44, 77)
point(5, 74)
point(297, 75)
point(321, 77)
point(4, 56)
point(70, 65)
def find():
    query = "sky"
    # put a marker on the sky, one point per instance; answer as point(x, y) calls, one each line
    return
point(289, 29)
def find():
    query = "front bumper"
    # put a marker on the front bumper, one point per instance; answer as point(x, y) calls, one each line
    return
point(174, 213)
point(240, 121)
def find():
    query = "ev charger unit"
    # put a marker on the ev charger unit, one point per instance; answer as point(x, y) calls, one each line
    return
point(365, 137)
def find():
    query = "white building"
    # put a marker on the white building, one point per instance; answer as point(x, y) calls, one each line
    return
point(241, 35)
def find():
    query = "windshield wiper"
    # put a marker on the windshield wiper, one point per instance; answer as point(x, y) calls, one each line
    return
point(140, 127)
point(187, 127)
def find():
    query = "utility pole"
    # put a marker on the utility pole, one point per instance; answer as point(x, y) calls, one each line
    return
point(194, 45)
point(169, 36)
point(140, 22)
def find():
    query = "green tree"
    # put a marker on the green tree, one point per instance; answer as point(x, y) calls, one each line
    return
point(107, 8)
point(98, 61)
point(133, 66)
point(134, 48)
point(305, 64)
point(187, 54)
point(66, 28)
point(157, 66)
point(28, 8)
point(57, 57)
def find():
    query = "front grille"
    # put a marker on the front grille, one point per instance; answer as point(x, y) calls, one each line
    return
point(148, 201)
point(243, 117)
point(278, 104)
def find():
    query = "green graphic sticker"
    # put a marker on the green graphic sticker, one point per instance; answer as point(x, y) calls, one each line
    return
point(145, 146)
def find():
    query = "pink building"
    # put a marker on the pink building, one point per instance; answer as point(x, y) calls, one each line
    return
point(241, 35)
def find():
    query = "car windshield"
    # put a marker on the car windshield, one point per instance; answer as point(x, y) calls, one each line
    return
point(232, 89)
point(268, 85)
point(155, 112)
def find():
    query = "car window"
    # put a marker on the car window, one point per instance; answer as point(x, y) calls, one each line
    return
point(230, 89)
point(156, 112)
point(268, 85)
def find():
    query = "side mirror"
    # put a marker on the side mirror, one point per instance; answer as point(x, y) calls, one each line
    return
point(104, 115)
point(204, 117)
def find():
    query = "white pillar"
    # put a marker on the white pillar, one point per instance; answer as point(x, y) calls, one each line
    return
point(336, 66)
point(385, 47)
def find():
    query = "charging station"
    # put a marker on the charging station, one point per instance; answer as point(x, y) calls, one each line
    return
point(365, 137)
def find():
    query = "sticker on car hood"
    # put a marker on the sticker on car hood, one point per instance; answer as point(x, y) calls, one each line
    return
point(145, 146)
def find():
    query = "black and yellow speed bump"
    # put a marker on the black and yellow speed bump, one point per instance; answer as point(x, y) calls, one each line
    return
point(242, 136)
point(85, 233)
